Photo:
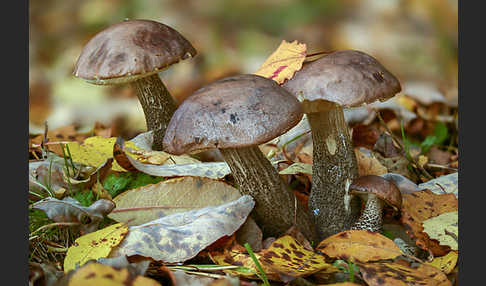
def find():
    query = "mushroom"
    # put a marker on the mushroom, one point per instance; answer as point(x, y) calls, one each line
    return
point(135, 51)
point(235, 115)
point(376, 192)
point(340, 79)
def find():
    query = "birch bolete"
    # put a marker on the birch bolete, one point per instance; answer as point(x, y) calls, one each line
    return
point(135, 51)
point(235, 115)
point(336, 81)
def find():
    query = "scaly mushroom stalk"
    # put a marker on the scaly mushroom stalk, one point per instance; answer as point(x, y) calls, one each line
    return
point(275, 207)
point(371, 218)
point(157, 104)
point(334, 168)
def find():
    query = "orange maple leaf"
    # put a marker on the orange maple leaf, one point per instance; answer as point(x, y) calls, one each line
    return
point(284, 62)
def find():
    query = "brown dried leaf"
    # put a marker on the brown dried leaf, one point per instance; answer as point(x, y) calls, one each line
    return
point(368, 164)
point(420, 206)
point(395, 274)
point(359, 245)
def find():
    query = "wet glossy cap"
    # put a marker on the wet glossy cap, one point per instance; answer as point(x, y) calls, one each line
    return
point(233, 112)
point(348, 78)
point(382, 188)
point(130, 50)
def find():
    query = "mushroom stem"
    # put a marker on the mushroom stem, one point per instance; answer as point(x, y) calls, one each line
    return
point(275, 203)
point(371, 218)
point(334, 164)
point(158, 106)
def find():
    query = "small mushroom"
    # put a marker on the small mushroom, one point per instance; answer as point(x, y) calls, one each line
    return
point(135, 51)
point(376, 192)
point(329, 84)
point(235, 115)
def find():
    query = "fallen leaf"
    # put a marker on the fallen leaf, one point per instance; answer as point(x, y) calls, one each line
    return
point(104, 275)
point(182, 278)
point(447, 184)
point(95, 151)
point(395, 274)
point(445, 263)
point(284, 62)
point(284, 256)
point(179, 168)
point(150, 202)
point(94, 245)
point(250, 233)
point(70, 210)
point(443, 228)
point(368, 164)
point(419, 206)
point(365, 136)
point(297, 168)
point(359, 245)
point(181, 236)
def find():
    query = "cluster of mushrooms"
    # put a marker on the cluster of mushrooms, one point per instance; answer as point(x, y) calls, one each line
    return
point(236, 114)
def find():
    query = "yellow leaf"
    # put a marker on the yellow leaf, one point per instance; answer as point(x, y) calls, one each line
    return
point(284, 62)
point(443, 228)
point(96, 150)
point(393, 273)
point(94, 245)
point(445, 263)
point(104, 275)
point(361, 245)
point(284, 256)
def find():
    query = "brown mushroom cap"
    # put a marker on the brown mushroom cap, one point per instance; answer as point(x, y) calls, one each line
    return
point(129, 50)
point(348, 78)
point(382, 188)
point(233, 112)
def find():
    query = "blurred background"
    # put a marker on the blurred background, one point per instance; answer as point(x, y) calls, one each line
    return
point(416, 40)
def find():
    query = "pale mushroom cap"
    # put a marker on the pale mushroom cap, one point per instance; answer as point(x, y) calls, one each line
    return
point(233, 112)
point(129, 50)
point(382, 188)
point(348, 78)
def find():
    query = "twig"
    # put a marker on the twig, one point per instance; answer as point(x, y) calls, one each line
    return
point(409, 158)
point(54, 224)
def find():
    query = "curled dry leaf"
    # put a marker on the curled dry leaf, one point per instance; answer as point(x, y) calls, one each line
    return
point(70, 210)
point(177, 195)
point(368, 164)
point(181, 236)
point(419, 206)
point(213, 170)
point(94, 245)
point(359, 245)
point(284, 256)
point(389, 273)
point(284, 62)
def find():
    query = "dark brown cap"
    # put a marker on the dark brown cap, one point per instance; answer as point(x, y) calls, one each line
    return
point(233, 112)
point(130, 50)
point(382, 188)
point(348, 78)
